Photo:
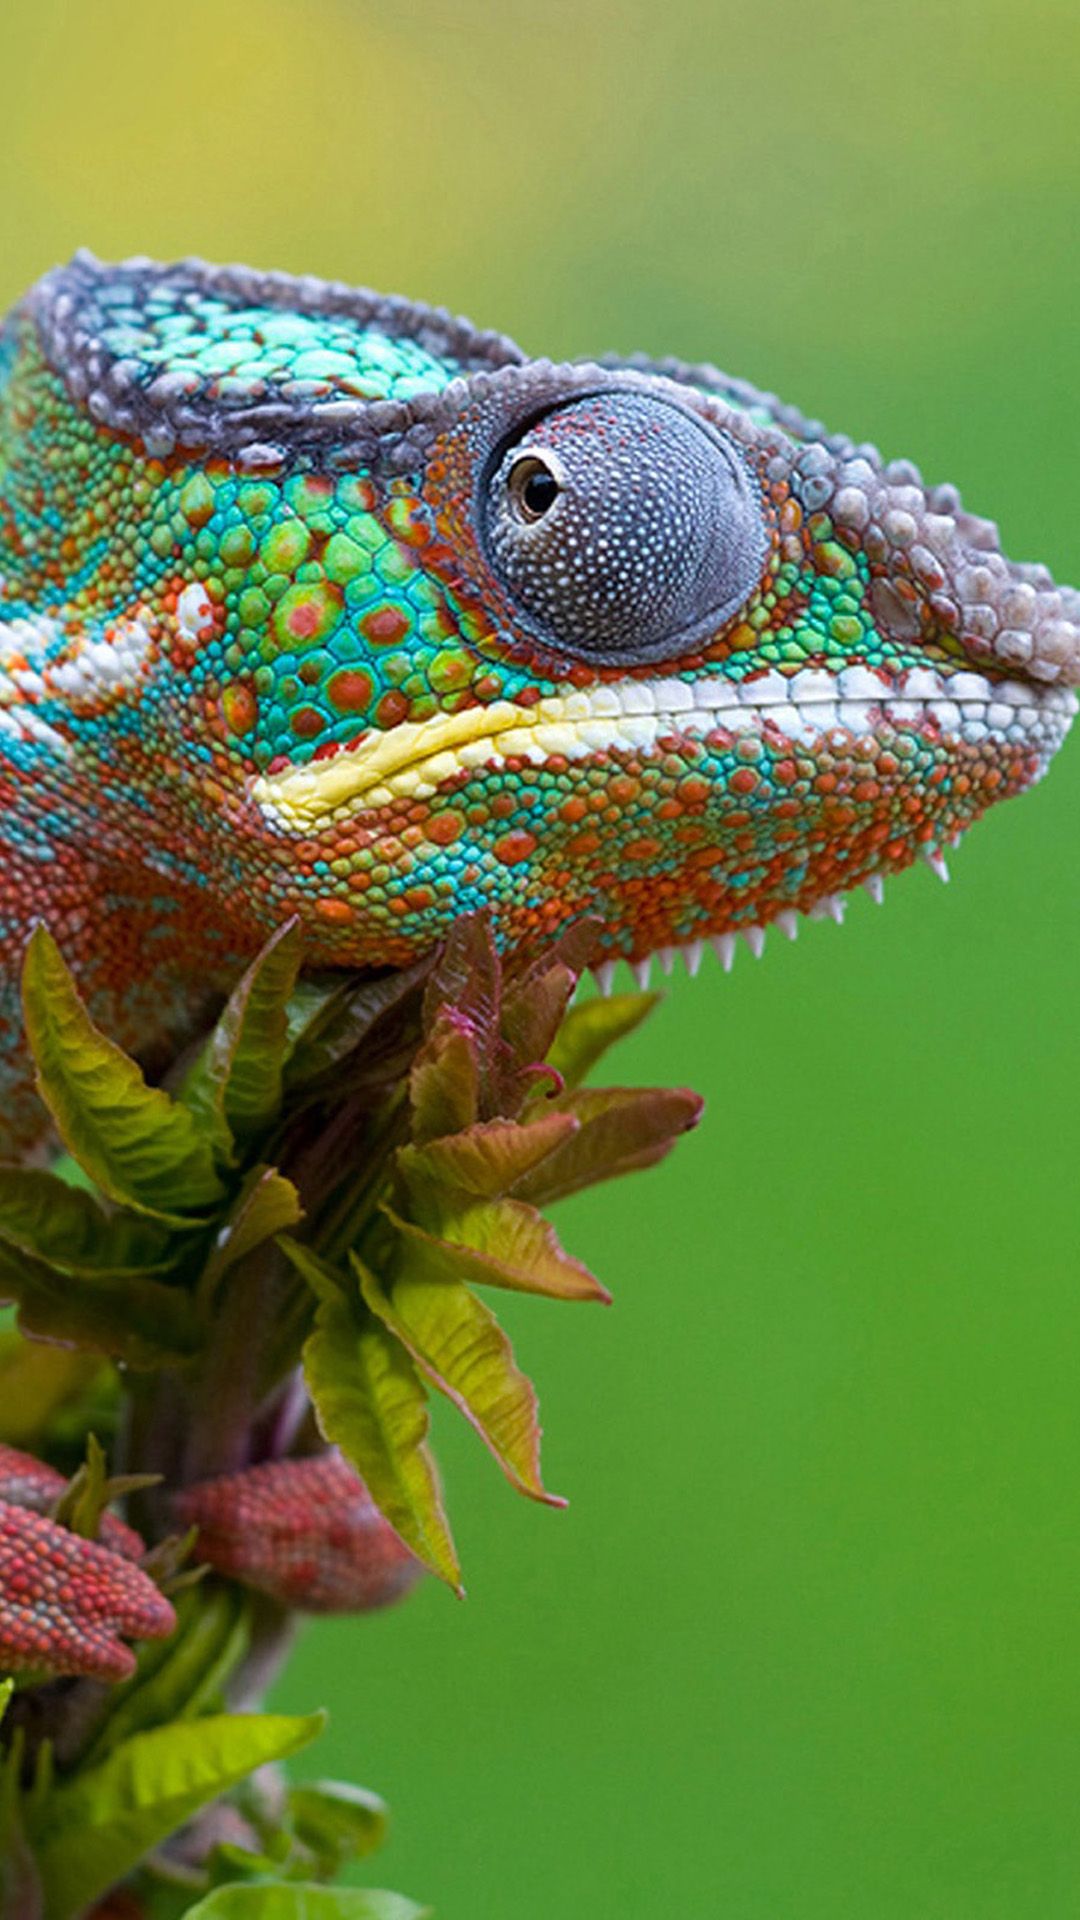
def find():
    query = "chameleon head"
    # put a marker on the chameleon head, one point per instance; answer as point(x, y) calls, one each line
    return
point(428, 626)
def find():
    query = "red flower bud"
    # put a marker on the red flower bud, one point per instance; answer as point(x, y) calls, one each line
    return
point(66, 1601)
point(306, 1532)
point(27, 1482)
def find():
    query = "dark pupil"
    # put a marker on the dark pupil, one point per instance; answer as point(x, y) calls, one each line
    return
point(539, 492)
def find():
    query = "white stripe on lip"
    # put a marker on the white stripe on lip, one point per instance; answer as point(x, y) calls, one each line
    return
point(413, 760)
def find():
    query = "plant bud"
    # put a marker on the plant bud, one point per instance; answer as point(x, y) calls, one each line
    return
point(28, 1482)
point(305, 1532)
point(67, 1604)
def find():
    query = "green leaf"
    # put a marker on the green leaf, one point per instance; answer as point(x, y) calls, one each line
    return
point(266, 1205)
point(37, 1381)
point(620, 1130)
point(20, 1887)
point(285, 1900)
point(234, 1087)
point(7, 1688)
point(458, 1343)
point(180, 1677)
point(97, 1825)
point(84, 1500)
point(498, 1243)
point(65, 1225)
point(337, 1823)
point(144, 1323)
point(141, 1148)
point(371, 1403)
point(593, 1026)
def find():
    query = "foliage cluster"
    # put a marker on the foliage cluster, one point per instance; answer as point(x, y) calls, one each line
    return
point(275, 1251)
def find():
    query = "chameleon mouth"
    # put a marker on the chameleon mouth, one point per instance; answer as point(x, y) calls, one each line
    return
point(414, 759)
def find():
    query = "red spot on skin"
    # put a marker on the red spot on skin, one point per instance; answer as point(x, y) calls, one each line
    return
point(514, 847)
point(642, 849)
point(305, 620)
point(239, 706)
point(445, 828)
point(392, 709)
point(307, 723)
point(694, 791)
point(384, 627)
point(337, 912)
point(350, 690)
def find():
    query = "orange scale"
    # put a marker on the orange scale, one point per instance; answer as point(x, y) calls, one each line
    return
point(335, 910)
point(513, 848)
point(445, 827)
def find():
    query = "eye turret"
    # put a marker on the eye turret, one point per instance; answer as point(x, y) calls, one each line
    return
point(625, 528)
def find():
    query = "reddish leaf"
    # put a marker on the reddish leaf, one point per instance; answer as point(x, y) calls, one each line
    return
point(621, 1130)
point(444, 1085)
point(536, 997)
point(486, 1159)
point(467, 976)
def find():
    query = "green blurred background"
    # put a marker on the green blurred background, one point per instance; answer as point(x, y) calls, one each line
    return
point(805, 1646)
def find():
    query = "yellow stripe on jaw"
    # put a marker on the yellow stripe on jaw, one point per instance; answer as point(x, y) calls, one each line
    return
point(416, 757)
point(304, 797)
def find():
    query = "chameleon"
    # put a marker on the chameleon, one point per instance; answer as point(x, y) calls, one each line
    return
point(321, 603)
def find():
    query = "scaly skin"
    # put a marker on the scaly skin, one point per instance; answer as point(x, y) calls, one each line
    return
point(316, 603)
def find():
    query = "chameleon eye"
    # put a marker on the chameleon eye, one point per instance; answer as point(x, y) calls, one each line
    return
point(533, 484)
point(624, 528)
